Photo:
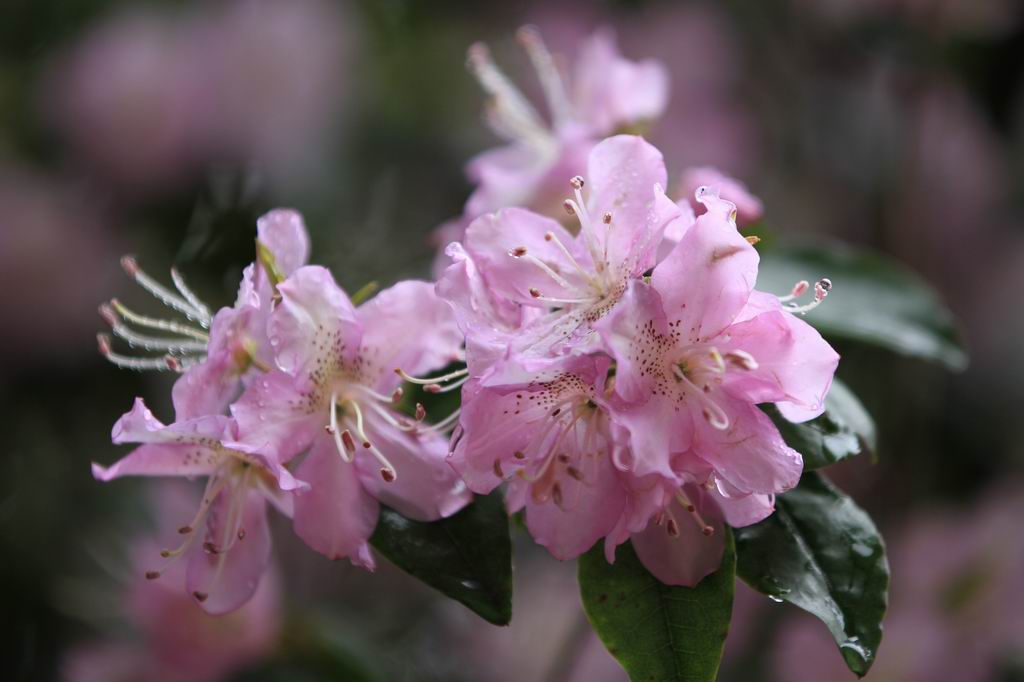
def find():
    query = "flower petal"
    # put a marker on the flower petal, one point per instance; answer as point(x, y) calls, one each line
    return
point(225, 580)
point(284, 232)
point(750, 454)
point(794, 364)
point(585, 509)
point(426, 488)
point(748, 207)
point(614, 92)
point(494, 239)
point(406, 326)
point(277, 417)
point(336, 517)
point(140, 426)
point(160, 460)
point(684, 559)
point(626, 176)
point(706, 280)
point(314, 328)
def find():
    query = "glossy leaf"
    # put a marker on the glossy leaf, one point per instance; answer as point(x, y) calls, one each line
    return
point(467, 556)
point(658, 632)
point(844, 430)
point(821, 552)
point(873, 300)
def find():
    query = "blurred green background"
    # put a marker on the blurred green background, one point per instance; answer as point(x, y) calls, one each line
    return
point(163, 129)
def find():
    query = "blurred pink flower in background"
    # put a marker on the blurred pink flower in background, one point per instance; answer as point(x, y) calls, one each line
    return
point(56, 255)
point(957, 610)
point(149, 96)
point(707, 121)
point(173, 640)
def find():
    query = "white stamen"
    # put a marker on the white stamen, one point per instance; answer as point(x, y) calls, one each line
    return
point(431, 380)
point(125, 362)
point(339, 444)
point(189, 295)
point(547, 71)
point(512, 115)
point(160, 292)
point(154, 323)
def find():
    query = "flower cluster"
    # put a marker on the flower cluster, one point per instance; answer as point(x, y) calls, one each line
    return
point(615, 370)
point(292, 368)
point(613, 363)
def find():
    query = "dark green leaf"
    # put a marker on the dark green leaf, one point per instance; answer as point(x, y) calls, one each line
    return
point(822, 552)
point(467, 556)
point(844, 430)
point(874, 300)
point(655, 631)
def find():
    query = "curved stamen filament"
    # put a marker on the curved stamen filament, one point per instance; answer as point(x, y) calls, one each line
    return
point(548, 73)
point(715, 415)
point(689, 506)
point(431, 380)
point(171, 344)
point(160, 292)
point(548, 270)
point(552, 237)
point(189, 295)
point(154, 323)
point(344, 449)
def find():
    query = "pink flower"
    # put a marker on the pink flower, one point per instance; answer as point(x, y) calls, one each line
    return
point(239, 347)
point(607, 94)
point(224, 569)
point(214, 362)
point(172, 640)
point(696, 349)
point(516, 259)
point(548, 435)
point(332, 393)
point(549, 432)
point(749, 208)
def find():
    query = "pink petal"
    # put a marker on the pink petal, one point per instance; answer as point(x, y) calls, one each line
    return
point(230, 578)
point(160, 460)
point(706, 280)
point(795, 365)
point(685, 559)
point(493, 239)
point(636, 333)
point(336, 517)
point(426, 488)
point(750, 454)
point(626, 177)
point(315, 326)
point(745, 509)
point(612, 92)
point(512, 175)
point(749, 208)
point(275, 417)
point(140, 426)
point(284, 232)
point(588, 511)
point(406, 326)
point(658, 429)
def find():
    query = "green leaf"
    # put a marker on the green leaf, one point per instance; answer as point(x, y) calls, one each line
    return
point(822, 553)
point(844, 430)
point(873, 300)
point(467, 556)
point(655, 631)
